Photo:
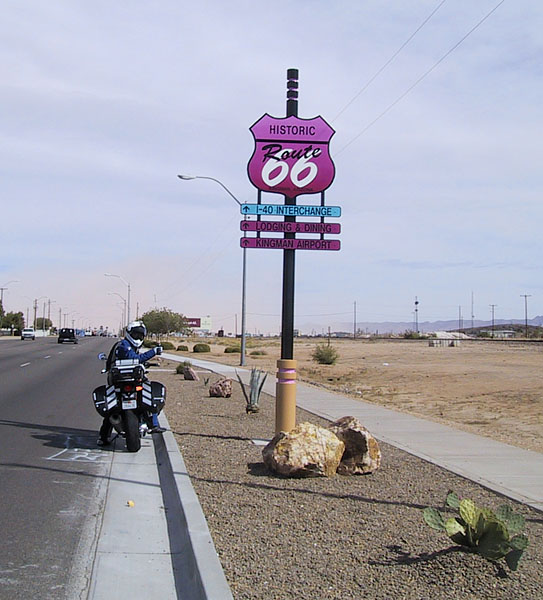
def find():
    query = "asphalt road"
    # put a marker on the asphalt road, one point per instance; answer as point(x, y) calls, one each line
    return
point(52, 475)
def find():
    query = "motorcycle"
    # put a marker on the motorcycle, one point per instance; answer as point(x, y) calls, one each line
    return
point(128, 399)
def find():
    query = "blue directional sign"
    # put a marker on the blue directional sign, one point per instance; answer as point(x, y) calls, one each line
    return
point(290, 210)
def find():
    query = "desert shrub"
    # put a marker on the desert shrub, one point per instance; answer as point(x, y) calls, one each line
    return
point(180, 369)
point(201, 348)
point(258, 353)
point(325, 355)
point(149, 344)
point(182, 348)
point(167, 346)
point(232, 349)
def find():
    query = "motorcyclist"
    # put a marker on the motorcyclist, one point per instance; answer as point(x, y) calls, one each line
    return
point(128, 348)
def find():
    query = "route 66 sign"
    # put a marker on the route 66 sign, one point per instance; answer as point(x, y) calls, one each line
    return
point(291, 155)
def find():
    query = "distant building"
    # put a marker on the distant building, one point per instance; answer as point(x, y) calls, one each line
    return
point(499, 333)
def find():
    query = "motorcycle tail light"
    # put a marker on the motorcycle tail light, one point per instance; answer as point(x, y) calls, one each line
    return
point(139, 388)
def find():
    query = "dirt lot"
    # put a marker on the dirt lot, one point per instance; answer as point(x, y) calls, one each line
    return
point(488, 388)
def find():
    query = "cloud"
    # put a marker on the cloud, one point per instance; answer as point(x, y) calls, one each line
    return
point(103, 104)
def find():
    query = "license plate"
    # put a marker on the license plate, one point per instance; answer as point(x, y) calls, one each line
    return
point(130, 404)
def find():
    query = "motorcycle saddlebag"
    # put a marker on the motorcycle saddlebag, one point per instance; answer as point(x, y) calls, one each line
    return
point(104, 399)
point(153, 396)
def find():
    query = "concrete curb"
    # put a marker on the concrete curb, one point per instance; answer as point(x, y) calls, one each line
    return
point(198, 572)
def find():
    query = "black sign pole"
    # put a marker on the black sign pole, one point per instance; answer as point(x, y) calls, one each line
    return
point(285, 405)
point(289, 256)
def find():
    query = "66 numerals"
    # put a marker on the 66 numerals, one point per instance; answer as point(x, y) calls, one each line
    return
point(302, 173)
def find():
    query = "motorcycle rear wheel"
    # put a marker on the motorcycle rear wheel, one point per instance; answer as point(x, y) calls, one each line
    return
point(131, 430)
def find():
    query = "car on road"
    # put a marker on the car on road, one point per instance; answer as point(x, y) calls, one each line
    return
point(28, 333)
point(67, 334)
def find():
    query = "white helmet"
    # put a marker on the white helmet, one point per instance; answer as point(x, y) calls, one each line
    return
point(135, 333)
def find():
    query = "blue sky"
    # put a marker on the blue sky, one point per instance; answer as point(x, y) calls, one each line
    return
point(103, 104)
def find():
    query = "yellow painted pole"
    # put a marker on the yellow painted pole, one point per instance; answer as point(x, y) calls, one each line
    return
point(285, 395)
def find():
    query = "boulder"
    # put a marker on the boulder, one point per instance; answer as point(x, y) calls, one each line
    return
point(362, 454)
point(190, 374)
point(306, 451)
point(221, 388)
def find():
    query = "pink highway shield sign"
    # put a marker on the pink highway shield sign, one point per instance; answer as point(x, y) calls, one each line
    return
point(290, 227)
point(291, 156)
point(289, 244)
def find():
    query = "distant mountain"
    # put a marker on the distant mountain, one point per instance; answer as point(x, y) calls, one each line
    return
point(401, 327)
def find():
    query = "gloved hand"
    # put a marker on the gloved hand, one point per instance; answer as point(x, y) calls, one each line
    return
point(158, 350)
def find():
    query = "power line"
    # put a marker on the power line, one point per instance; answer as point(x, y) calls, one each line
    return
point(372, 79)
point(409, 89)
point(312, 315)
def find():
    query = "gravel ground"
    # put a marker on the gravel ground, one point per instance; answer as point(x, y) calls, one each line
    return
point(341, 537)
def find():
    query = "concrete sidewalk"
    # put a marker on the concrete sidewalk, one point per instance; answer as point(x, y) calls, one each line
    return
point(508, 470)
point(154, 541)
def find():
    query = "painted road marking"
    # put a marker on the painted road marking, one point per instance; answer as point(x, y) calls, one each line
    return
point(24, 364)
point(79, 455)
point(71, 454)
point(47, 356)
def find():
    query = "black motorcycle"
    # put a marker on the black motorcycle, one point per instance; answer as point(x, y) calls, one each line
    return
point(129, 399)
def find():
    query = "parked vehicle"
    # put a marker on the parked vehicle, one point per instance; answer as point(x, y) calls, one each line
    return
point(28, 333)
point(67, 334)
point(129, 399)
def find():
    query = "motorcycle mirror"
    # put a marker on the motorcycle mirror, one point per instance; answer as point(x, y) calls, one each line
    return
point(103, 371)
point(102, 356)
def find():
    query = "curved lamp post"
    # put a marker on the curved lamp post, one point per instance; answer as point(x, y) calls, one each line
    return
point(244, 264)
point(4, 288)
point(124, 301)
point(128, 295)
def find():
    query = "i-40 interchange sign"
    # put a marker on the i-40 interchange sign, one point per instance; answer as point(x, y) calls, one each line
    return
point(291, 157)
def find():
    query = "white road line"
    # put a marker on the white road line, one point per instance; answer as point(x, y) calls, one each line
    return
point(47, 356)
point(24, 365)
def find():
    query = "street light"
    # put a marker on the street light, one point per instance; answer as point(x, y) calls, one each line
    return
point(123, 299)
point(4, 287)
point(244, 262)
point(36, 308)
point(128, 295)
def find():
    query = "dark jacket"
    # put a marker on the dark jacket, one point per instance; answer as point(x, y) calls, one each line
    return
point(124, 349)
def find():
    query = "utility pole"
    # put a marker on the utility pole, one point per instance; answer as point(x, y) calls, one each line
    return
point(416, 314)
point(472, 315)
point(493, 306)
point(526, 296)
point(354, 331)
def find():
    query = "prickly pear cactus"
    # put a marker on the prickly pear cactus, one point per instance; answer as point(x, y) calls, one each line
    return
point(456, 531)
point(494, 535)
point(494, 542)
point(469, 512)
point(452, 500)
point(515, 523)
point(434, 518)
